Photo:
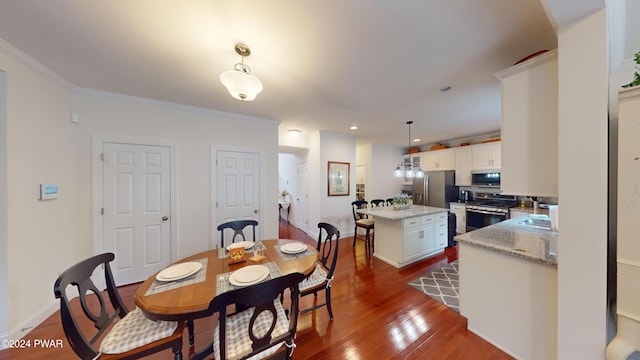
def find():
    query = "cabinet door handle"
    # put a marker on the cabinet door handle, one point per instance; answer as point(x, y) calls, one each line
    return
point(421, 234)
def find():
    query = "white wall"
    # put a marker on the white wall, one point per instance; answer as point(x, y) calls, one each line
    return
point(44, 146)
point(336, 210)
point(194, 132)
point(385, 158)
point(41, 147)
point(380, 161)
point(4, 271)
point(632, 26)
point(582, 251)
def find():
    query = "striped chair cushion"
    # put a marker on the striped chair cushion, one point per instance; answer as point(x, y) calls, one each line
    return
point(133, 331)
point(318, 276)
point(238, 341)
point(365, 222)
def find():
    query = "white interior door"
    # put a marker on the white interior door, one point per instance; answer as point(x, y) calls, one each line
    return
point(302, 200)
point(238, 188)
point(136, 198)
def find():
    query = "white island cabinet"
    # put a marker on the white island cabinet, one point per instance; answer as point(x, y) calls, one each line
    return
point(406, 236)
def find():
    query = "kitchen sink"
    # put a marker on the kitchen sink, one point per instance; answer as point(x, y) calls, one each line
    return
point(537, 223)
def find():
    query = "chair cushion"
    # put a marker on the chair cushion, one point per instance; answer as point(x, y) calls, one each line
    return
point(365, 222)
point(316, 278)
point(135, 330)
point(238, 341)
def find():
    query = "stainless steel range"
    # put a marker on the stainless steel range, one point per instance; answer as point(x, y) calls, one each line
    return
point(488, 209)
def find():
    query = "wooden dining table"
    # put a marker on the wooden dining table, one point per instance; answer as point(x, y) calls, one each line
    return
point(191, 301)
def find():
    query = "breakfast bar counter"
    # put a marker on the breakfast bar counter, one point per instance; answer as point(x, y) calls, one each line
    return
point(402, 237)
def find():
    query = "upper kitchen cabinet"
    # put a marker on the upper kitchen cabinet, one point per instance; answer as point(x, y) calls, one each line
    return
point(486, 156)
point(530, 126)
point(463, 165)
point(437, 160)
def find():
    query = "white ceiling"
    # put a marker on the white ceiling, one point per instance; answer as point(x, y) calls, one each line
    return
point(324, 65)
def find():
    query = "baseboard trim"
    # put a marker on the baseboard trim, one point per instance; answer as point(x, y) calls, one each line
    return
point(25, 327)
point(31, 323)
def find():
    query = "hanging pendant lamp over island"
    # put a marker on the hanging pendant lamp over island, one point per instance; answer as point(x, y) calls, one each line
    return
point(239, 81)
point(406, 169)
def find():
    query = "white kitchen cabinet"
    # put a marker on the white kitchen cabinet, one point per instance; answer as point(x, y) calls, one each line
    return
point(419, 237)
point(460, 210)
point(440, 231)
point(413, 159)
point(437, 160)
point(529, 129)
point(414, 235)
point(487, 156)
point(462, 165)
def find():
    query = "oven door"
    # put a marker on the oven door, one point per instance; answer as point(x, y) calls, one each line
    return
point(477, 219)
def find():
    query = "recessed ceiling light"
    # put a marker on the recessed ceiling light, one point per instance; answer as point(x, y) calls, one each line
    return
point(294, 132)
point(445, 89)
point(417, 140)
point(353, 127)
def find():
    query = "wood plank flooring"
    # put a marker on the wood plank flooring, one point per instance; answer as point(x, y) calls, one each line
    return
point(376, 316)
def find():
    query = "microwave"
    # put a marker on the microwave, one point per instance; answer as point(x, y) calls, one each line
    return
point(485, 178)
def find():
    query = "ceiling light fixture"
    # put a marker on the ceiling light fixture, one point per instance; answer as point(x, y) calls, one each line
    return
point(294, 132)
point(239, 81)
point(353, 127)
point(406, 169)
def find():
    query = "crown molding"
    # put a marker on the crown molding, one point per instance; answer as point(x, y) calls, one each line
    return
point(18, 55)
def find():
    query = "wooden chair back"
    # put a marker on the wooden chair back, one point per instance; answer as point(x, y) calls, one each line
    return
point(238, 230)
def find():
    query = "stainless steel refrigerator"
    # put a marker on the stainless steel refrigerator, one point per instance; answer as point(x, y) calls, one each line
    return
point(437, 188)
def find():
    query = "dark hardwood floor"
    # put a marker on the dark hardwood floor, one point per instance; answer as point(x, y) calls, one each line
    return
point(377, 316)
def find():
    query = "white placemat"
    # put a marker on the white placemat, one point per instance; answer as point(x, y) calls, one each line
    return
point(223, 284)
point(289, 257)
point(162, 286)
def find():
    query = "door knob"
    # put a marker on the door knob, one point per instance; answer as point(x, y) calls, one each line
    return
point(165, 218)
point(255, 211)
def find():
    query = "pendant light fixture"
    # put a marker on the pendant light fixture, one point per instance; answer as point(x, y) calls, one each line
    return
point(406, 168)
point(239, 81)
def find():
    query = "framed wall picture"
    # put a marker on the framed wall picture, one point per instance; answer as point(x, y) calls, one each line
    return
point(338, 179)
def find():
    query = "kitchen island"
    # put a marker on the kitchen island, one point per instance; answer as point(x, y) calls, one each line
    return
point(403, 237)
point(508, 286)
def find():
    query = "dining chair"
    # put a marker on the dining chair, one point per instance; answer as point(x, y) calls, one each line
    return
point(322, 276)
point(364, 222)
point(389, 202)
point(377, 203)
point(260, 330)
point(238, 227)
point(132, 334)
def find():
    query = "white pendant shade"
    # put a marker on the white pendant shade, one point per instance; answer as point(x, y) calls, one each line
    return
point(241, 85)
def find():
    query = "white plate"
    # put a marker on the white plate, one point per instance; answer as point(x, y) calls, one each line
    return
point(293, 248)
point(246, 244)
point(179, 271)
point(249, 275)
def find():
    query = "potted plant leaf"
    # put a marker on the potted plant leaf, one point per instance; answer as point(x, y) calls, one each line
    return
point(636, 75)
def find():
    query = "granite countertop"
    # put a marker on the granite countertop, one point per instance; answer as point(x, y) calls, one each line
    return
point(388, 212)
point(513, 238)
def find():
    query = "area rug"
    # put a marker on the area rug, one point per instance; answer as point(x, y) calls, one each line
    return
point(441, 284)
